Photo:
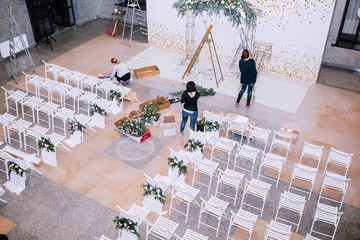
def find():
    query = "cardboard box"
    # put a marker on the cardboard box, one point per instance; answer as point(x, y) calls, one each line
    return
point(137, 139)
point(169, 126)
point(146, 72)
point(159, 99)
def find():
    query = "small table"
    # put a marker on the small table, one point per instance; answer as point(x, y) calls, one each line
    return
point(290, 129)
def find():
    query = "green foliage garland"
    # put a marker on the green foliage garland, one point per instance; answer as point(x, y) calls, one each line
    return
point(125, 223)
point(12, 166)
point(238, 11)
point(96, 109)
point(155, 191)
point(173, 163)
point(201, 90)
point(193, 145)
point(45, 143)
point(211, 126)
point(117, 96)
point(76, 126)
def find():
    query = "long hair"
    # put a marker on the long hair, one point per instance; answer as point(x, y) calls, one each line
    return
point(245, 54)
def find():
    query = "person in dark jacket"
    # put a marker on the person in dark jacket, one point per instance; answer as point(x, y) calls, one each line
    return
point(189, 98)
point(248, 76)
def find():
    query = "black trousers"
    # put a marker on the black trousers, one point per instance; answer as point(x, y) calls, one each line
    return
point(123, 78)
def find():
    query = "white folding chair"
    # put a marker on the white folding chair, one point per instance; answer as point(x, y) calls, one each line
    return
point(238, 126)
point(59, 90)
point(19, 127)
point(246, 154)
point(87, 99)
point(125, 92)
point(46, 85)
point(226, 146)
point(34, 103)
point(35, 81)
point(90, 82)
point(259, 135)
point(74, 94)
point(76, 78)
point(304, 174)
point(2, 192)
point(57, 139)
point(35, 134)
point(258, 189)
point(84, 120)
point(52, 68)
point(197, 136)
point(106, 87)
point(49, 109)
point(162, 229)
point(273, 162)
point(205, 167)
point(5, 120)
point(340, 159)
point(290, 202)
point(230, 179)
point(185, 194)
point(215, 207)
point(16, 96)
point(65, 74)
point(281, 141)
point(191, 235)
point(312, 152)
point(136, 214)
point(165, 180)
point(277, 231)
point(334, 183)
point(243, 220)
point(63, 115)
point(326, 214)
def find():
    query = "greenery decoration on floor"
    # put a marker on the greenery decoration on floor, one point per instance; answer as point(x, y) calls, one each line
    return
point(201, 90)
point(238, 11)
point(128, 224)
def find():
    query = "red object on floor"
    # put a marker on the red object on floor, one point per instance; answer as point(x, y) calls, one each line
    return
point(109, 32)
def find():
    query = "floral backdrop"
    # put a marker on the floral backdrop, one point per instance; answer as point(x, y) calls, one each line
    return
point(297, 29)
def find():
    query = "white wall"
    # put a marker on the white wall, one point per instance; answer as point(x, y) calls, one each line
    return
point(297, 29)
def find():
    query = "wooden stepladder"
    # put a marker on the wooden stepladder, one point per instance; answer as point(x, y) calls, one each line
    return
point(210, 40)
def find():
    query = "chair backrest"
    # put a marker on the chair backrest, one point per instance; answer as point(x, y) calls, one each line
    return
point(153, 182)
point(125, 214)
point(342, 158)
point(282, 137)
point(313, 152)
point(249, 152)
point(274, 157)
point(244, 221)
point(205, 203)
point(337, 180)
point(260, 133)
point(278, 230)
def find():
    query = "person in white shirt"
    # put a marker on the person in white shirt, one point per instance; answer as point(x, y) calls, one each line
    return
point(120, 72)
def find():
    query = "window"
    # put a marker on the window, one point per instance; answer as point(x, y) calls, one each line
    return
point(348, 36)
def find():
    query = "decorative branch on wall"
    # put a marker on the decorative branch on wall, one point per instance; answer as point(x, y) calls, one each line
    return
point(238, 11)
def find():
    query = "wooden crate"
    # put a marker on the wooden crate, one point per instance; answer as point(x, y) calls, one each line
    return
point(146, 71)
point(137, 139)
point(159, 99)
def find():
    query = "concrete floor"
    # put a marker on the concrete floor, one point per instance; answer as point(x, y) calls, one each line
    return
point(78, 198)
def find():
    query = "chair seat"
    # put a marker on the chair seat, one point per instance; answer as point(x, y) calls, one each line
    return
point(74, 93)
point(162, 224)
point(305, 173)
point(293, 202)
point(64, 114)
point(191, 193)
point(281, 143)
point(258, 188)
point(82, 118)
point(215, 211)
point(60, 88)
point(6, 118)
point(33, 102)
point(231, 178)
point(191, 235)
point(247, 152)
point(138, 211)
point(326, 213)
point(48, 85)
point(225, 145)
point(273, 164)
point(20, 125)
point(335, 181)
point(56, 138)
point(37, 132)
point(65, 74)
point(88, 97)
point(243, 219)
point(208, 169)
point(279, 231)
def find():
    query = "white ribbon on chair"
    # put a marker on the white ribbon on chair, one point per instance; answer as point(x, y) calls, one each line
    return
point(152, 204)
point(97, 121)
point(16, 183)
point(177, 180)
point(127, 235)
point(114, 108)
point(49, 157)
point(74, 139)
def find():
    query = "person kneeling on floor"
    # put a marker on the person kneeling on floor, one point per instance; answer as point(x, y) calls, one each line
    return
point(120, 72)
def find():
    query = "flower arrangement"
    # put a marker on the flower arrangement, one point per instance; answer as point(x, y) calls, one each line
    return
point(149, 114)
point(12, 166)
point(128, 224)
point(116, 95)
point(173, 162)
point(133, 127)
point(211, 126)
point(238, 11)
point(193, 145)
point(155, 191)
point(96, 109)
point(45, 143)
point(76, 126)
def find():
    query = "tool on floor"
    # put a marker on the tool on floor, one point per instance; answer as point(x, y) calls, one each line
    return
point(209, 39)
point(136, 15)
point(14, 31)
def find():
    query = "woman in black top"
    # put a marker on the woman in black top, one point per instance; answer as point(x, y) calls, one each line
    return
point(189, 98)
point(248, 76)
